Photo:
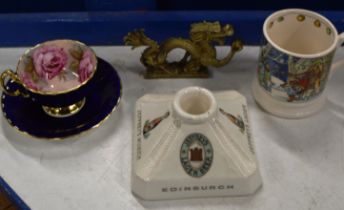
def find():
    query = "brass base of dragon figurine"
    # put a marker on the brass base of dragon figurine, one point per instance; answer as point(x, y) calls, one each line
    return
point(176, 71)
point(199, 51)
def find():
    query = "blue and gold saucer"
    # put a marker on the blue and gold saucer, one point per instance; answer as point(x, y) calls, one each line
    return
point(28, 117)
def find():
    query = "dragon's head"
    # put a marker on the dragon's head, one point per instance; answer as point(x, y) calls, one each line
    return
point(206, 27)
point(206, 31)
point(211, 27)
point(227, 30)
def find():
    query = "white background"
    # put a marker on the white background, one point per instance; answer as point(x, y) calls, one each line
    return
point(302, 161)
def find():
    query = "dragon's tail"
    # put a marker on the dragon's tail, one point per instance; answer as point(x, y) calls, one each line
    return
point(137, 38)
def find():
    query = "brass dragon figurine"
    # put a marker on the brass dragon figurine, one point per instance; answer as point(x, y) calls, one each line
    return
point(199, 51)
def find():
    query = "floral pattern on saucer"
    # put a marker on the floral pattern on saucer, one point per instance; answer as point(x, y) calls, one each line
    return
point(56, 66)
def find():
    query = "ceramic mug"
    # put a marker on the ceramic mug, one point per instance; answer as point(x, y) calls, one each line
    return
point(295, 62)
point(55, 74)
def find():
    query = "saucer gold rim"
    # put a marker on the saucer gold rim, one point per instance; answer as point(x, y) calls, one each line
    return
point(24, 133)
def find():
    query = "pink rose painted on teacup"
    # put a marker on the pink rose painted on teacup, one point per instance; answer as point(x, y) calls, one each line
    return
point(27, 80)
point(49, 61)
point(57, 66)
point(86, 66)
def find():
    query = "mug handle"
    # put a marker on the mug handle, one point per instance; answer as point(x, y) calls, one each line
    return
point(14, 77)
point(337, 64)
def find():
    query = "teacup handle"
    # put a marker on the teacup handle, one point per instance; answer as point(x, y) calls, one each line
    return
point(337, 64)
point(13, 76)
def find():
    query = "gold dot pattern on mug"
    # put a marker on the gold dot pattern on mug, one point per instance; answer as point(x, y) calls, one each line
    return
point(328, 31)
point(271, 24)
point(317, 23)
point(300, 18)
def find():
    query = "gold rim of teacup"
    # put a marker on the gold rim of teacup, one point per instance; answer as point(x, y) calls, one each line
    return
point(316, 15)
point(57, 92)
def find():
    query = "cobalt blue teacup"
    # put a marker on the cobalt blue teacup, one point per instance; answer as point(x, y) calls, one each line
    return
point(56, 75)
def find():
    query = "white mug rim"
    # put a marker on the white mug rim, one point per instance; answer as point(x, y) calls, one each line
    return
point(302, 11)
